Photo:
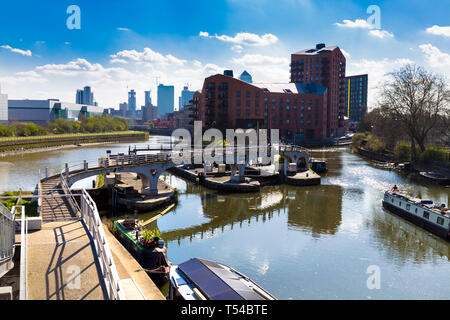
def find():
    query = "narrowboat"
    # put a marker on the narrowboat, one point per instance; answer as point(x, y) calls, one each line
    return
point(423, 213)
point(435, 177)
point(151, 254)
point(318, 166)
point(200, 279)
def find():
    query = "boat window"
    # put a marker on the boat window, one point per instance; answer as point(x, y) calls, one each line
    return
point(426, 214)
point(408, 206)
point(392, 200)
point(400, 203)
point(440, 220)
point(416, 210)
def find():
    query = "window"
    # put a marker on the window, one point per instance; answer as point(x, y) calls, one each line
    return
point(247, 112)
point(238, 94)
point(256, 103)
point(238, 112)
point(440, 221)
point(247, 94)
point(247, 103)
point(238, 102)
point(257, 94)
point(287, 121)
point(408, 206)
point(426, 214)
point(273, 100)
point(287, 108)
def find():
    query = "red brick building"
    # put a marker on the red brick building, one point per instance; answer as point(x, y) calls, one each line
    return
point(324, 65)
point(297, 109)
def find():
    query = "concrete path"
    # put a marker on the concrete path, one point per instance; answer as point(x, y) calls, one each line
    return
point(61, 264)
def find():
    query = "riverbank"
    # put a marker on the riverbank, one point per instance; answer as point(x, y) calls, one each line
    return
point(14, 145)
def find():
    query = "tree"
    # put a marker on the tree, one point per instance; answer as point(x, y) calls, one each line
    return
point(417, 99)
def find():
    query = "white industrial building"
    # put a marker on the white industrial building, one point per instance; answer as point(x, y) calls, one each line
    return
point(40, 111)
point(3, 107)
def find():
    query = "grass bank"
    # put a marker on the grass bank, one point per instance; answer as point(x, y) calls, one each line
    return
point(19, 143)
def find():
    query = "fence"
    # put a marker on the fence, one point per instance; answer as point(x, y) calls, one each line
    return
point(7, 238)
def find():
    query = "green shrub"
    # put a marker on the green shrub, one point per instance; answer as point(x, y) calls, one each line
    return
point(434, 153)
point(402, 151)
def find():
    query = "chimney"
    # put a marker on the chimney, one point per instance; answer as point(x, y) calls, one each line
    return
point(320, 46)
point(228, 73)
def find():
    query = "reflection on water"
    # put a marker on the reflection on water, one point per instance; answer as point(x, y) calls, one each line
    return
point(297, 242)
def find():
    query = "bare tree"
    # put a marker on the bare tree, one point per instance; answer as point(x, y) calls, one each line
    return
point(417, 98)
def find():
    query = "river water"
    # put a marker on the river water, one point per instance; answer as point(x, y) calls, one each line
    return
point(332, 241)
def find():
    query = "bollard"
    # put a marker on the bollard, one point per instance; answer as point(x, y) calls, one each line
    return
point(67, 169)
point(85, 165)
point(46, 172)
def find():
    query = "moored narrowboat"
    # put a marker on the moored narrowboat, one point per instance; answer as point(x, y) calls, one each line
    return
point(423, 213)
point(200, 279)
point(150, 252)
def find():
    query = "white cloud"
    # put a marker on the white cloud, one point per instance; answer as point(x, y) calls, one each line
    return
point(345, 53)
point(436, 58)
point(438, 30)
point(381, 34)
point(147, 57)
point(123, 29)
point(254, 59)
point(19, 51)
point(245, 38)
point(237, 48)
point(358, 23)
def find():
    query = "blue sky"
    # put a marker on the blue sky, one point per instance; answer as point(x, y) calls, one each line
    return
point(133, 43)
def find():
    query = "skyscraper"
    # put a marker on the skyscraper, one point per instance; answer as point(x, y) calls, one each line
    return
point(132, 102)
point(85, 96)
point(88, 96)
point(245, 76)
point(185, 97)
point(79, 97)
point(324, 65)
point(356, 97)
point(165, 99)
point(148, 99)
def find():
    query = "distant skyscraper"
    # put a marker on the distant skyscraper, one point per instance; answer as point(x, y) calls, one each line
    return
point(245, 76)
point(132, 102)
point(356, 97)
point(88, 96)
point(165, 99)
point(79, 97)
point(85, 96)
point(148, 98)
point(123, 108)
point(3, 106)
point(186, 96)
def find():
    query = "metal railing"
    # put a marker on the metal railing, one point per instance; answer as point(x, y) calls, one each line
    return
point(7, 238)
point(23, 289)
point(91, 218)
point(87, 210)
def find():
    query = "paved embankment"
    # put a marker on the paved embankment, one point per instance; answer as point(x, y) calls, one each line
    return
point(61, 264)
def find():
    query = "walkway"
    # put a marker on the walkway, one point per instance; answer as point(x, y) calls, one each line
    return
point(62, 264)
point(55, 207)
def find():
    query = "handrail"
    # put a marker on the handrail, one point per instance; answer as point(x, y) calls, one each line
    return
point(66, 190)
point(92, 220)
point(23, 295)
point(7, 234)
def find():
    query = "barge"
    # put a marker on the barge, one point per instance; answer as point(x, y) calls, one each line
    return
point(200, 279)
point(423, 213)
point(150, 253)
point(435, 177)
